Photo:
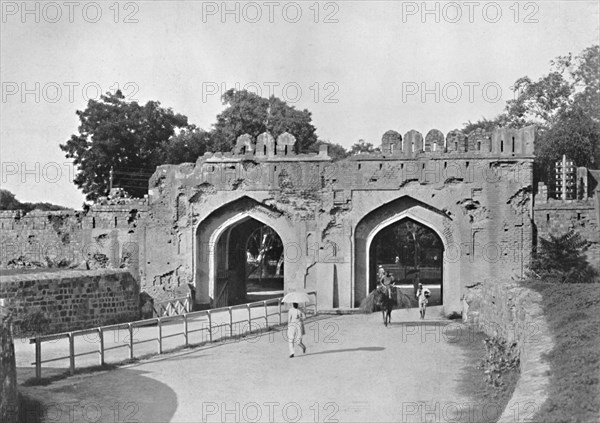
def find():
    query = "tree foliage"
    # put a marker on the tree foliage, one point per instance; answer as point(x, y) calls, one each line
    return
point(565, 105)
point(363, 147)
point(8, 201)
point(123, 135)
point(336, 151)
point(132, 139)
point(247, 113)
point(186, 146)
point(561, 259)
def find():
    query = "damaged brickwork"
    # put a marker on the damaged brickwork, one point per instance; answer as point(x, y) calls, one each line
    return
point(473, 191)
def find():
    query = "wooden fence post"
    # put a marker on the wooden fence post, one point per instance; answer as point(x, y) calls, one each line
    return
point(101, 346)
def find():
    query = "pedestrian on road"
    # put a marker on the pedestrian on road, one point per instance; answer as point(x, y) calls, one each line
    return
point(423, 295)
point(295, 329)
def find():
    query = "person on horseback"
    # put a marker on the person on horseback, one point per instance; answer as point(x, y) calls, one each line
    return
point(387, 283)
point(380, 273)
point(423, 295)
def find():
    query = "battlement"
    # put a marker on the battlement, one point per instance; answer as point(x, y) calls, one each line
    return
point(503, 142)
point(265, 147)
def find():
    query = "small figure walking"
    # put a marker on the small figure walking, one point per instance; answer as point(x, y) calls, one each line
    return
point(295, 329)
point(423, 295)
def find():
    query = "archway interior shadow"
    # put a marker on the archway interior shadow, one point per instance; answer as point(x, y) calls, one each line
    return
point(346, 350)
point(249, 261)
point(411, 253)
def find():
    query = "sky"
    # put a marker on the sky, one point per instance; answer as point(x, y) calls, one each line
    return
point(360, 67)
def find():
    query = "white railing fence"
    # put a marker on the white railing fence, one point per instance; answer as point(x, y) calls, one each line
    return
point(159, 337)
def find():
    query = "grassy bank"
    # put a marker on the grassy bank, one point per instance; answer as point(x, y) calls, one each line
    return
point(573, 314)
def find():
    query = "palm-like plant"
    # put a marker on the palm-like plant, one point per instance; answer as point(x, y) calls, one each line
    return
point(561, 259)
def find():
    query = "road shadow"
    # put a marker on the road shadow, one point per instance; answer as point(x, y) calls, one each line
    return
point(120, 395)
point(345, 350)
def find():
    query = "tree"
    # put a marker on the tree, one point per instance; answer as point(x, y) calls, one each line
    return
point(363, 147)
point(335, 151)
point(186, 146)
point(125, 136)
point(8, 201)
point(565, 105)
point(248, 113)
point(561, 259)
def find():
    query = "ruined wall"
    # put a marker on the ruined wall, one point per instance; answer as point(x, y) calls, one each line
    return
point(104, 237)
point(506, 309)
point(70, 299)
point(8, 373)
point(474, 191)
point(41, 238)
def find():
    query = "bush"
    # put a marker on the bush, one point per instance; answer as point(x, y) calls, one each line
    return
point(561, 260)
point(501, 358)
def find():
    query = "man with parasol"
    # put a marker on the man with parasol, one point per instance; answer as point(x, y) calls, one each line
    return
point(295, 328)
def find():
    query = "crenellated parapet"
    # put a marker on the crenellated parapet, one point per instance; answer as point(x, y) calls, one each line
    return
point(265, 146)
point(507, 142)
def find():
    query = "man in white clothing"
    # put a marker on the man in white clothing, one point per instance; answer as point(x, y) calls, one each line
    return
point(294, 330)
point(423, 295)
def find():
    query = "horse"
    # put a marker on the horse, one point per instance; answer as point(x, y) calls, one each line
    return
point(386, 301)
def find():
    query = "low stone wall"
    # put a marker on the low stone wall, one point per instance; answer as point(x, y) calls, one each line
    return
point(509, 310)
point(8, 374)
point(43, 303)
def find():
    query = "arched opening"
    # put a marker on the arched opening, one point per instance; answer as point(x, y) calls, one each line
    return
point(382, 219)
point(412, 253)
point(248, 263)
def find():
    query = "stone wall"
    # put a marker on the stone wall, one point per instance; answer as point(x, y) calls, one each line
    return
point(106, 236)
point(513, 312)
point(475, 193)
point(71, 299)
point(8, 373)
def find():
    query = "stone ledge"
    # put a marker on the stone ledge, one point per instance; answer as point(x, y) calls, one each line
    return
point(514, 312)
point(63, 274)
point(532, 387)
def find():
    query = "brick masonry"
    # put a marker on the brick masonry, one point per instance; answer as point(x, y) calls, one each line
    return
point(70, 300)
point(506, 309)
point(474, 191)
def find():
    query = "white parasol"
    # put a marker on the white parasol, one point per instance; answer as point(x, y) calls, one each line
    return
point(296, 297)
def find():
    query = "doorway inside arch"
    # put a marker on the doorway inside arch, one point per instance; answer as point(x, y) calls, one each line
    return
point(249, 264)
point(412, 253)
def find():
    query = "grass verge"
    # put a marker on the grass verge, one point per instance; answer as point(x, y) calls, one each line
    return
point(573, 315)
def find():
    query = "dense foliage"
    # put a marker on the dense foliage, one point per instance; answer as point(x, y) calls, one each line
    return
point(8, 201)
point(564, 105)
point(561, 259)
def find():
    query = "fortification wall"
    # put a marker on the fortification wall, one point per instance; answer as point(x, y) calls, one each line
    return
point(41, 237)
point(105, 236)
point(44, 303)
point(475, 194)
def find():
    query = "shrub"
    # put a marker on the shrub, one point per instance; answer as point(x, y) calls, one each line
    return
point(561, 260)
point(501, 357)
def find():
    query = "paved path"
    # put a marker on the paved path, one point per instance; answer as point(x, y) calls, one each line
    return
point(355, 370)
